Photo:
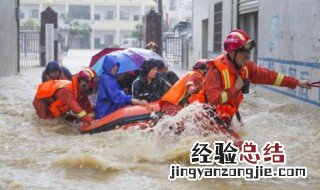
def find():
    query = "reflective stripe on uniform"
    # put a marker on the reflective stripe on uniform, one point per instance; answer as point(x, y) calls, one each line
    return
point(224, 97)
point(81, 114)
point(278, 80)
point(247, 72)
point(189, 83)
point(226, 79)
point(63, 83)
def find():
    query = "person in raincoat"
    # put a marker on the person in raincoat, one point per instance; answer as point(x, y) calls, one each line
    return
point(54, 71)
point(110, 97)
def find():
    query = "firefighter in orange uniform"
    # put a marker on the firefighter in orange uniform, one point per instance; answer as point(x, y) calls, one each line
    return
point(55, 98)
point(185, 90)
point(229, 78)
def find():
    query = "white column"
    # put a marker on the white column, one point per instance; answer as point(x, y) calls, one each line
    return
point(92, 25)
point(118, 25)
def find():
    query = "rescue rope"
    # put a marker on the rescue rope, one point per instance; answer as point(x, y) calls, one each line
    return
point(313, 84)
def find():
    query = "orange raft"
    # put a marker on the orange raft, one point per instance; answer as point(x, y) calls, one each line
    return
point(124, 118)
point(143, 117)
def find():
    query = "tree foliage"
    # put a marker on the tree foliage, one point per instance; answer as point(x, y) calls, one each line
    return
point(29, 25)
point(137, 32)
point(75, 28)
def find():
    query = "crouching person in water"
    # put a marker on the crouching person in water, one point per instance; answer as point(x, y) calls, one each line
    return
point(110, 97)
point(54, 71)
point(55, 98)
point(186, 90)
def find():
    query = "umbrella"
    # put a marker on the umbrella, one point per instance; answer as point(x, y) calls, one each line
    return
point(146, 54)
point(129, 59)
point(103, 52)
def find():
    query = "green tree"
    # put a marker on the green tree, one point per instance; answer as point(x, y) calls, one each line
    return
point(75, 28)
point(29, 25)
point(137, 32)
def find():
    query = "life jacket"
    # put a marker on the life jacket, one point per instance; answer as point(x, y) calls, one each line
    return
point(47, 90)
point(229, 107)
point(178, 91)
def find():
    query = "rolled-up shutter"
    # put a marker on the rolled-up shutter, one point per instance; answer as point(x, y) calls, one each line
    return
point(248, 6)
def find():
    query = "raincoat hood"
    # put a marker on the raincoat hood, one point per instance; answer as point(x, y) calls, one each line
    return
point(52, 66)
point(108, 63)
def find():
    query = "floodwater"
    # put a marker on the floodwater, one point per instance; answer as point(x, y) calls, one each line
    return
point(37, 154)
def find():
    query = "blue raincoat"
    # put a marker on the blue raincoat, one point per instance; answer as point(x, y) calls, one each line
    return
point(110, 97)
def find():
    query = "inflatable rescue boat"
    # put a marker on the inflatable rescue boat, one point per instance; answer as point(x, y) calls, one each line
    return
point(143, 116)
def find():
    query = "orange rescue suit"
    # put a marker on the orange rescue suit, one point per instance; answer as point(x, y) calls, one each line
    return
point(219, 90)
point(178, 91)
point(48, 89)
point(54, 98)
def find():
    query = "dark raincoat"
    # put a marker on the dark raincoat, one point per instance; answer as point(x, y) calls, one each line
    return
point(54, 66)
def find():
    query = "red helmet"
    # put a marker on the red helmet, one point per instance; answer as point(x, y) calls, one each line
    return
point(238, 40)
point(90, 76)
point(201, 64)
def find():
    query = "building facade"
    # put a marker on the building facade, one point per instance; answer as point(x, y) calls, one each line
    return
point(112, 21)
point(286, 35)
point(9, 54)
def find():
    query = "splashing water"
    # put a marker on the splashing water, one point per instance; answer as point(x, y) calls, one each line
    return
point(37, 154)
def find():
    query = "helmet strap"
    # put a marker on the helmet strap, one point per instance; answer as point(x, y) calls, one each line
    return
point(238, 68)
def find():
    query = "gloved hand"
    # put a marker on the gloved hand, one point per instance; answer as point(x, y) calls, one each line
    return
point(91, 114)
point(143, 102)
point(239, 83)
point(192, 89)
point(87, 119)
point(304, 84)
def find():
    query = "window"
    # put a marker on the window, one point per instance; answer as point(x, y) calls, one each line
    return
point(96, 17)
point(34, 13)
point(217, 30)
point(124, 15)
point(97, 42)
point(126, 36)
point(80, 11)
point(136, 17)
point(109, 15)
point(109, 40)
point(125, 42)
